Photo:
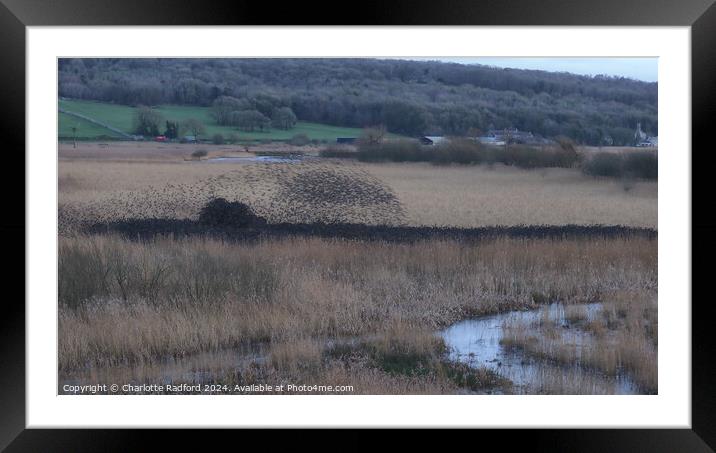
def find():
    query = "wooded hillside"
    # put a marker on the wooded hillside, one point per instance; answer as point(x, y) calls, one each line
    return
point(408, 97)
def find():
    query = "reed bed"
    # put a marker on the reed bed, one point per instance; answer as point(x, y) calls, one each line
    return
point(128, 302)
point(619, 338)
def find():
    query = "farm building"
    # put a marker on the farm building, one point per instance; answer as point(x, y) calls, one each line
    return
point(432, 140)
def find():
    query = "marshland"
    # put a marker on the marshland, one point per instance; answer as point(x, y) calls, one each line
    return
point(483, 270)
point(303, 308)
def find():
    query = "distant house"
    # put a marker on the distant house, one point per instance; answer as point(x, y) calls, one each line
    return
point(512, 135)
point(650, 142)
point(432, 140)
point(488, 140)
point(346, 140)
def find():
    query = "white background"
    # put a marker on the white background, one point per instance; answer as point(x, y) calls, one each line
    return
point(671, 408)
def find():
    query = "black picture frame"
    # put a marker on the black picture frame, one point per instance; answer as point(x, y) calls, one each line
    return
point(700, 15)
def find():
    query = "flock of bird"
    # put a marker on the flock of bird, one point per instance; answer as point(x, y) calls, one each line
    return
point(284, 199)
point(304, 192)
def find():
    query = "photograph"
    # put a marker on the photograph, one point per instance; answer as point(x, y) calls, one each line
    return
point(429, 225)
point(416, 216)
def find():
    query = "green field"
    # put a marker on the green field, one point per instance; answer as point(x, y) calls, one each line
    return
point(121, 116)
point(85, 129)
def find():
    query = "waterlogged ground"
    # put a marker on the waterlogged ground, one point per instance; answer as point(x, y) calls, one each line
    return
point(153, 193)
point(268, 159)
point(479, 343)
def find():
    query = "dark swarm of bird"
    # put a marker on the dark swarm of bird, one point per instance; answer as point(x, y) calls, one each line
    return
point(279, 192)
point(280, 200)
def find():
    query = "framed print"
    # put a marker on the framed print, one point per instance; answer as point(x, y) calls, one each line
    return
point(412, 217)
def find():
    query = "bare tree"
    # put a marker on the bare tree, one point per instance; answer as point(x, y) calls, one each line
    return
point(373, 135)
point(193, 126)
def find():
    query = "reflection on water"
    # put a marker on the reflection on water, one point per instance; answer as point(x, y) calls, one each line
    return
point(477, 343)
point(276, 159)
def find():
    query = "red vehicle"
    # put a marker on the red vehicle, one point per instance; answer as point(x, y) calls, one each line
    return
point(160, 138)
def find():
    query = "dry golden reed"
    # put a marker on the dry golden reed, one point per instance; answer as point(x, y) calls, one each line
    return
point(123, 301)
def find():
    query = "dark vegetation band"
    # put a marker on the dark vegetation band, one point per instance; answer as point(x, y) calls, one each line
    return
point(564, 154)
point(236, 221)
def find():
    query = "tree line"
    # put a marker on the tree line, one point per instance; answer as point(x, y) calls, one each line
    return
point(408, 97)
point(149, 122)
point(253, 113)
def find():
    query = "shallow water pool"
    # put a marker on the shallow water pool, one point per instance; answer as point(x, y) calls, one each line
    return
point(476, 342)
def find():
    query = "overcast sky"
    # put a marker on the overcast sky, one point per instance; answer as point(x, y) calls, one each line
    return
point(640, 68)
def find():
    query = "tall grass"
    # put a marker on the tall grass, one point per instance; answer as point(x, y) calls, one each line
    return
point(165, 272)
point(125, 301)
point(620, 338)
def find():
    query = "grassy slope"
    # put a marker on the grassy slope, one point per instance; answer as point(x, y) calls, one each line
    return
point(84, 128)
point(120, 116)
